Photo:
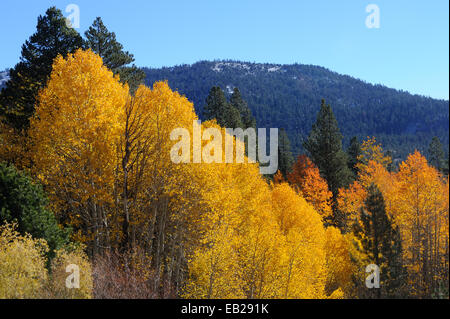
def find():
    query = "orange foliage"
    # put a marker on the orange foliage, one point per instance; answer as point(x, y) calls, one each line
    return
point(350, 201)
point(305, 177)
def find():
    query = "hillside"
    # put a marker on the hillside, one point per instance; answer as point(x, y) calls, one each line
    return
point(289, 96)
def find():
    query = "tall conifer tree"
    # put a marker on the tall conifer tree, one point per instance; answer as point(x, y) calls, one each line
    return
point(324, 145)
point(381, 243)
point(237, 102)
point(52, 37)
point(104, 43)
point(285, 158)
point(353, 151)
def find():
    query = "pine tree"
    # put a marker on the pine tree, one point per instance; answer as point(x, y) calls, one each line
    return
point(104, 43)
point(246, 116)
point(381, 242)
point(285, 158)
point(218, 108)
point(394, 271)
point(324, 145)
point(52, 37)
point(237, 102)
point(24, 202)
point(353, 151)
point(437, 157)
point(216, 103)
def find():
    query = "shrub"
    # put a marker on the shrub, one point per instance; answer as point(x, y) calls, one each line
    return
point(61, 272)
point(22, 264)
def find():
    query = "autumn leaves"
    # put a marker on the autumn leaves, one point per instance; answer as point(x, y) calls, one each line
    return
point(215, 151)
point(416, 200)
point(212, 230)
point(219, 229)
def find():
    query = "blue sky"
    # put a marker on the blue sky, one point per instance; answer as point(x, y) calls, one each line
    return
point(409, 51)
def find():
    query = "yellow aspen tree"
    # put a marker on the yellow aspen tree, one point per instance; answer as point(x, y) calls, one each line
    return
point(303, 265)
point(73, 136)
point(237, 200)
point(419, 205)
point(341, 268)
point(351, 200)
point(162, 196)
point(372, 151)
point(213, 270)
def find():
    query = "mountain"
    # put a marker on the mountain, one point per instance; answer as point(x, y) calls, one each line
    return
point(288, 96)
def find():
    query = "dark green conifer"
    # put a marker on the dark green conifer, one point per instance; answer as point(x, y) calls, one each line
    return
point(104, 43)
point(324, 146)
point(24, 202)
point(237, 102)
point(52, 37)
point(217, 107)
point(381, 243)
point(353, 151)
point(285, 157)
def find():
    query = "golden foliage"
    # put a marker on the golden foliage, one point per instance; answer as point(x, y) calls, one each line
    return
point(419, 205)
point(303, 263)
point(74, 135)
point(104, 157)
point(22, 264)
point(371, 151)
point(340, 266)
point(416, 199)
point(351, 200)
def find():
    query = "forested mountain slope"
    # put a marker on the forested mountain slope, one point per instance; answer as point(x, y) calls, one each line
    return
point(288, 96)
